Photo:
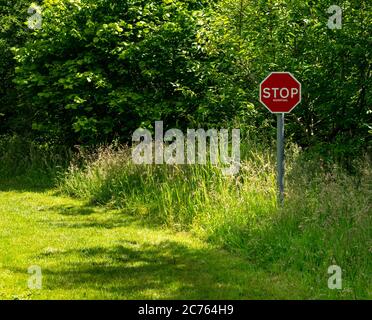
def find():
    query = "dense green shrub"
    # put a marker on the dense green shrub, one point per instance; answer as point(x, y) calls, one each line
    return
point(97, 70)
point(13, 32)
point(333, 65)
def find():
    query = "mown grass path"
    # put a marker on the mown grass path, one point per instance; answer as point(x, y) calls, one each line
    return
point(93, 253)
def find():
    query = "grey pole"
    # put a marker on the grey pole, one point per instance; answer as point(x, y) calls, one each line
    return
point(280, 158)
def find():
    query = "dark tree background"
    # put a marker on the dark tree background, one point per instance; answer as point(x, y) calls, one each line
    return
point(97, 70)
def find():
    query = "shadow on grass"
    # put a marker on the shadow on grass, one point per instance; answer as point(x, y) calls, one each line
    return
point(25, 184)
point(104, 223)
point(74, 210)
point(169, 270)
point(101, 217)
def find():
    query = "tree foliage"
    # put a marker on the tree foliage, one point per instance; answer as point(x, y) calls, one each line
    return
point(12, 33)
point(333, 65)
point(97, 70)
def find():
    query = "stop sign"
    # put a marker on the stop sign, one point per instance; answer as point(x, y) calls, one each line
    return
point(280, 92)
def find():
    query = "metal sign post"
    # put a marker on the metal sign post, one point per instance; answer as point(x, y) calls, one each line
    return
point(280, 157)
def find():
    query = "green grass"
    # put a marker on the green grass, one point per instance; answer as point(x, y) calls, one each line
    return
point(326, 219)
point(90, 252)
point(113, 230)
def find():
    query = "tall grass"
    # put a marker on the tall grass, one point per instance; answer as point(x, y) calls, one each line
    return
point(25, 162)
point(326, 218)
point(179, 196)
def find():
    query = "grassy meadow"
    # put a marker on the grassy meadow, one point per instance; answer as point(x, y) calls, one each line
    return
point(101, 227)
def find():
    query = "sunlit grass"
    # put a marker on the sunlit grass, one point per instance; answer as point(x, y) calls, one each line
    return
point(158, 231)
point(93, 253)
point(326, 219)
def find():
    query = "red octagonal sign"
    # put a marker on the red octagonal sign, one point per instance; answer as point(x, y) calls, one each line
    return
point(280, 92)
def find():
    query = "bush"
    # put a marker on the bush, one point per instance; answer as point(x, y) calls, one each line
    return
point(98, 70)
